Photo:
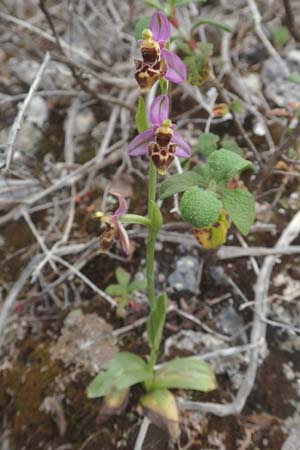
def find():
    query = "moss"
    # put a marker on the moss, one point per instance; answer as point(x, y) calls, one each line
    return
point(23, 389)
point(30, 381)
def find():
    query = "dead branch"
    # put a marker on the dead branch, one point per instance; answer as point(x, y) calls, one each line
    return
point(21, 114)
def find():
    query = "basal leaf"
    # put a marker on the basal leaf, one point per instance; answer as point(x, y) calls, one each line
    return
point(179, 183)
point(240, 205)
point(141, 119)
point(124, 370)
point(156, 321)
point(162, 408)
point(224, 165)
point(185, 373)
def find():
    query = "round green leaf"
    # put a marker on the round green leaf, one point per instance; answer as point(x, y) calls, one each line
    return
point(200, 208)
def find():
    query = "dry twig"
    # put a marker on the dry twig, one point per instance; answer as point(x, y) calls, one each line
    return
point(21, 114)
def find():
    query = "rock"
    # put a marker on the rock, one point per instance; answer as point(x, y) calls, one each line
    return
point(85, 342)
point(217, 274)
point(231, 324)
point(56, 76)
point(185, 277)
point(275, 76)
point(28, 138)
point(292, 442)
point(37, 112)
point(84, 122)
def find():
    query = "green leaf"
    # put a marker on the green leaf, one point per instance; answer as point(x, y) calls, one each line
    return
point(185, 373)
point(240, 205)
point(214, 23)
point(137, 285)
point(281, 35)
point(123, 371)
point(155, 4)
point(202, 169)
point(164, 84)
point(225, 164)
point(156, 321)
point(115, 290)
point(294, 78)
point(207, 143)
point(156, 217)
point(141, 119)
point(123, 277)
point(230, 144)
point(180, 183)
point(237, 106)
point(141, 24)
point(200, 208)
point(179, 3)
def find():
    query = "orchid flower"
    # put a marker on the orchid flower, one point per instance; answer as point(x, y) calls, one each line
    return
point(116, 230)
point(161, 142)
point(158, 62)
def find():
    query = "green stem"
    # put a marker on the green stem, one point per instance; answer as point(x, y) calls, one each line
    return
point(151, 186)
point(151, 237)
point(135, 219)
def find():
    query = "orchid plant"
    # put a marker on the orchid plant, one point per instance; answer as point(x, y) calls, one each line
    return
point(213, 195)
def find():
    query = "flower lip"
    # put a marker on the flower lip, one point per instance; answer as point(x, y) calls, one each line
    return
point(116, 229)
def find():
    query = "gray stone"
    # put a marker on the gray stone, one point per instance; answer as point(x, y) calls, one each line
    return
point(275, 76)
point(185, 277)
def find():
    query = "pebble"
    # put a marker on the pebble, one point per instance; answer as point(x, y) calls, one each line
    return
point(185, 277)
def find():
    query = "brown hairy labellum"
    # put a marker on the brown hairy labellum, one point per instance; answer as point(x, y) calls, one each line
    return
point(107, 238)
point(147, 74)
point(150, 52)
point(162, 151)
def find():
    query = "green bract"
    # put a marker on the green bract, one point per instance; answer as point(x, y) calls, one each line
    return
point(141, 119)
point(200, 208)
